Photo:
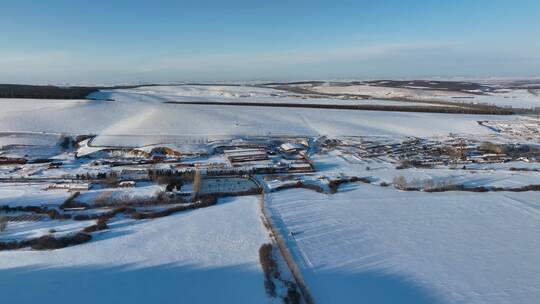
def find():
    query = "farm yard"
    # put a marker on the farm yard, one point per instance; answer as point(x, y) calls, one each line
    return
point(311, 205)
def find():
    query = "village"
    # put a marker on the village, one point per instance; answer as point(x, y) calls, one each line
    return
point(74, 179)
point(237, 167)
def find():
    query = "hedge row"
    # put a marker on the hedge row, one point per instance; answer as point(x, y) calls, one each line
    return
point(47, 242)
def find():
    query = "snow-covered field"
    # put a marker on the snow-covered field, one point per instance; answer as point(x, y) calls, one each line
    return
point(19, 194)
point(141, 114)
point(224, 94)
point(514, 98)
point(377, 245)
point(205, 256)
point(28, 138)
point(374, 244)
point(130, 115)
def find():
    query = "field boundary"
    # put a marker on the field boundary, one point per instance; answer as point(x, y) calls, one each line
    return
point(391, 108)
point(287, 256)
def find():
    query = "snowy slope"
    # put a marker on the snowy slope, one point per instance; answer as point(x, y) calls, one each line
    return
point(205, 256)
point(130, 115)
point(141, 111)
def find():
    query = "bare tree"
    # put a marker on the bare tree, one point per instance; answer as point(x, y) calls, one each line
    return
point(400, 182)
point(197, 183)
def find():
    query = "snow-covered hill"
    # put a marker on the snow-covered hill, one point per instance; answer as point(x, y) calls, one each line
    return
point(134, 114)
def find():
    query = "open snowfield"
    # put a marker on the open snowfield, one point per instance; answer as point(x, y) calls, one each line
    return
point(132, 115)
point(19, 194)
point(374, 244)
point(514, 98)
point(204, 256)
point(377, 245)
point(24, 138)
point(220, 93)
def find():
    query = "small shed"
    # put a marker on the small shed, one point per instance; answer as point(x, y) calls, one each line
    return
point(127, 184)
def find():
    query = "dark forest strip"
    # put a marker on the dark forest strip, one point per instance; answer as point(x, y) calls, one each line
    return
point(489, 110)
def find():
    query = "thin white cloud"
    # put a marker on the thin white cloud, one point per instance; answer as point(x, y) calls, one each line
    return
point(283, 59)
point(382, 60)
point(23, 62)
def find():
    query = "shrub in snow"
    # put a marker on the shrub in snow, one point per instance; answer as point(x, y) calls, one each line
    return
point(299, 184)
point(490, 147)
point(80, 138)
point(269, 267)
point(66, 142)
point(406, 163)
point(103, 198)
point(3, 223)
point(292, 297)
point(49, 242)
point(71, 203)
point(101, 224)
point(400, 182)
point(52, 213)
point(335, 183)
point(82, 217)
point(110, 180)
point(206, 201)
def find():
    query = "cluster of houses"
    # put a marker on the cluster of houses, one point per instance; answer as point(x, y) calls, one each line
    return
point(423, 152)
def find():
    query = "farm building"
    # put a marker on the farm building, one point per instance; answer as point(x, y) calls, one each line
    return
point(127, 184)
point(71, 186)
point(291, 147)
point(300, 167)
point(134, 174)
point(245, 155)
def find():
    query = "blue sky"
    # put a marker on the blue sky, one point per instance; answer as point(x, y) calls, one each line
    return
point(101, 41)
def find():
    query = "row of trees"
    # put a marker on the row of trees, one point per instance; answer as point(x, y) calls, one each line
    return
point(44, 92)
